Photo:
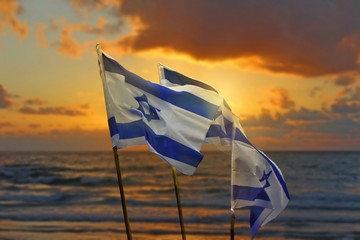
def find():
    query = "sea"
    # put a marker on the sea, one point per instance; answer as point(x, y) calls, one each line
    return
point(75, 195)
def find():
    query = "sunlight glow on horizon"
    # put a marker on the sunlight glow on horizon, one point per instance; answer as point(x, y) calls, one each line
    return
point(49, 86)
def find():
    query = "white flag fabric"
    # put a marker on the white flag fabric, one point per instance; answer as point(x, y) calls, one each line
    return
point(256, 181)
point(172, 121)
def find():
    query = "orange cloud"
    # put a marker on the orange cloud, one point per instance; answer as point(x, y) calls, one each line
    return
point(8, 11)
point(282, 99)
point(39, 106)
point(289, 37)
point(59, 110)
point(68, 45)
point(33, 125)
point(6, 124)
point(40, 35)
point(338, 122)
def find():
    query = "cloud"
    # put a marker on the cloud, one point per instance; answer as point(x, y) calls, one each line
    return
point(266, 125)
point(6, 124)
point(336, 127)
point(69, 45)
point(5, 98)
point(8, 11)
point(40, 35)
point(40, 106)
point(58, 140)
point(282, 99)
point(35, 101)
point(344, 107)
point(314, 91)
point(347, 101)
point(344, 80)
point(306, 115)
point(58, 110)
point(298, 37)
point(94, 4)
point(297, 128)
point(34, 126)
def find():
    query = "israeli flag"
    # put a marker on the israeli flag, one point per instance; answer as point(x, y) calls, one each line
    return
point(172, 121)
point(256, 181)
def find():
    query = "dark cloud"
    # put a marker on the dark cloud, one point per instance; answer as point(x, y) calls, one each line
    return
point(58, 140)
point(33, 125)
point(308, 38)
point(314, 91)
point(266, 125)
point(337, 127)
point(6, 124)
point(35, 101)
point(5, 98)
point(344, 107)
point(59, 110)
point(347, 101)
point(339, 119)
point(304, 114)
point(308, 122)
point(345, 80)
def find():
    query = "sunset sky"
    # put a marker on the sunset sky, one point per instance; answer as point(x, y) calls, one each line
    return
point(288, 69)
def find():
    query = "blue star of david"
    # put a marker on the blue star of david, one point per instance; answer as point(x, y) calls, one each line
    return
point(265, 178)
point(147, 110)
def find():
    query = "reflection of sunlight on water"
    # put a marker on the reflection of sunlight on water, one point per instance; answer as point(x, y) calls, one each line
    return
point(113, 230)
point(76, 196)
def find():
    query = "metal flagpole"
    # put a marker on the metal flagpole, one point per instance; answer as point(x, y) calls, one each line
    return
point(122, 194)
point(178, 199)
point(232, 225)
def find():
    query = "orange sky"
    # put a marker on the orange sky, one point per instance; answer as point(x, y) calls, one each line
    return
point(289, 70)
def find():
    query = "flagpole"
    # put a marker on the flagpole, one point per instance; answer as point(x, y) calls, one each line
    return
point(178, 200)
point(122, 194)
point(232, 225)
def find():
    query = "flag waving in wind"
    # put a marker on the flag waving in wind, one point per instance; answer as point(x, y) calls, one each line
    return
point(256, 181)
point(171, 120)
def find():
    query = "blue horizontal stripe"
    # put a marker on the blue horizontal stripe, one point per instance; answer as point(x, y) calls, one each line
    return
point(162, 144)
point(249, 193)
point(182, 99)
point(131, 130)
point(178, 78)
point(173, 149)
